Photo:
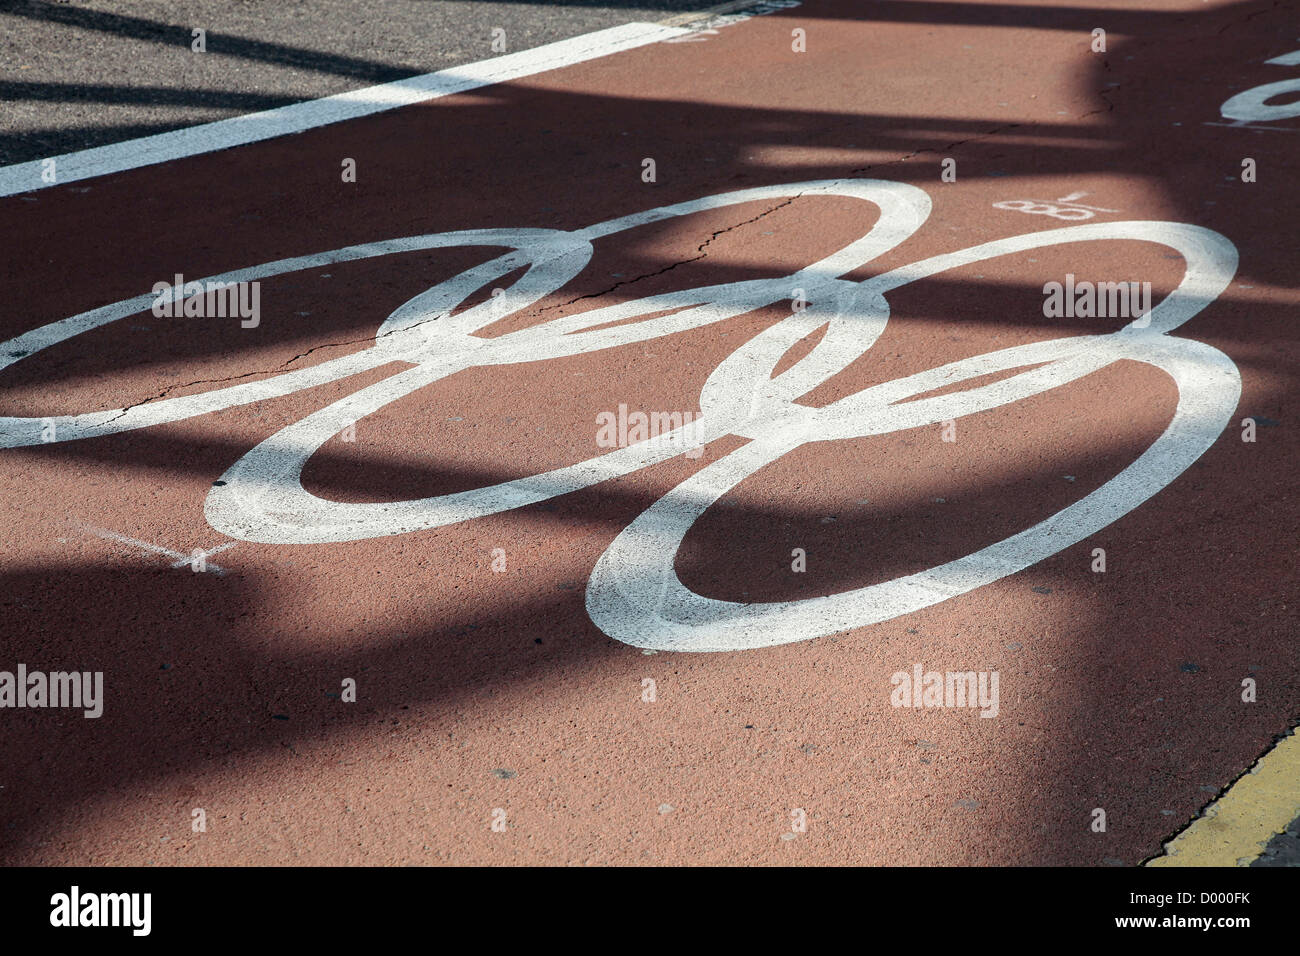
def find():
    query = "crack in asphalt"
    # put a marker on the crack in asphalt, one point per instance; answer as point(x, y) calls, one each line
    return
point(281, 367)
point(593, 295)
point(1248, 17)
point(925, 149)
point(658, 272)
point(700, 250)
point(1104, 93)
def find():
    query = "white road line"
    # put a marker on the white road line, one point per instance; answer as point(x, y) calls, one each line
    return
point(206, 554)
point(297, 117)
point(180, 560)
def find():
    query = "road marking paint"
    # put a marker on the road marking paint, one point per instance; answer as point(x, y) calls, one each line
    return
point(1037, 207)
point(205, 554)
point(298, 117)
point(633, 593)
point(1071, 200)
point(1235, 829)
point(728, 14)
point(181, 560)
point(697, 37)
point(1252, 105)
point(1265, 129)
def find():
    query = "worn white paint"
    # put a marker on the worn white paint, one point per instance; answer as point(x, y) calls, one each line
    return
point(179, 560)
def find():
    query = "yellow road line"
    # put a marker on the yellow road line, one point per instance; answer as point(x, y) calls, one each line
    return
point(1234, 830)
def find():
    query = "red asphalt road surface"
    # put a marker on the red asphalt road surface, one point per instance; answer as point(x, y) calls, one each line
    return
point(480, 690)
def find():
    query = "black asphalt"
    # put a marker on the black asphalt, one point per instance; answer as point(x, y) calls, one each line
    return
point(1283, 849)
point(91, 72)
